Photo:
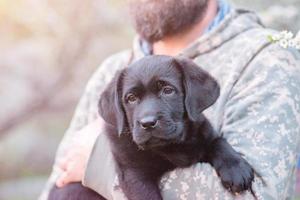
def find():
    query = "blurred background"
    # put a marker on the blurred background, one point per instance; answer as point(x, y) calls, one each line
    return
point(48, 50)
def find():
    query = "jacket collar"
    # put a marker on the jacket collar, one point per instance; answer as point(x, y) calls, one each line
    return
point(234, 23)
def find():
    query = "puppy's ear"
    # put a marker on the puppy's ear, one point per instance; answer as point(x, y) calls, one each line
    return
point(110, 104)
point(201, 89)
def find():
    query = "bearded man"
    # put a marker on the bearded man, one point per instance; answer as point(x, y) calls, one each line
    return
point(258, 110)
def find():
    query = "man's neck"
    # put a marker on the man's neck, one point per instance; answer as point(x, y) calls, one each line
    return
point(173, 45)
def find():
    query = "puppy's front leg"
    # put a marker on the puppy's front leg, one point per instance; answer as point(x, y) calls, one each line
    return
point(137, 185)
point(235, 172)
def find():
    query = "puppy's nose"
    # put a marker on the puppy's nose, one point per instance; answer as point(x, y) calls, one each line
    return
point(148, 122)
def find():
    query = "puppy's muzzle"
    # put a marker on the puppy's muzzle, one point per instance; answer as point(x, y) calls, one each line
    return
point(148, 122)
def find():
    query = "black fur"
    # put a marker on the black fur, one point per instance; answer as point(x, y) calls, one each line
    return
point(155, 124)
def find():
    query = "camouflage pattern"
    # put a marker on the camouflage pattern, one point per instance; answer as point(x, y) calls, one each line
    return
point(258, 112)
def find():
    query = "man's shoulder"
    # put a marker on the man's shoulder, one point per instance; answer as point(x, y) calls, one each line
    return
point(113, 63)
point(254, 46)
point(105, 72)
point(272, 65)
point(271, 54)
point(116, 61)
point(247, 26)
point(255, 37)
point(270, 58)
point(275, 59)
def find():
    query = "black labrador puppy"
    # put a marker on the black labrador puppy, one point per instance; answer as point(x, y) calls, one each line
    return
point(153, 110)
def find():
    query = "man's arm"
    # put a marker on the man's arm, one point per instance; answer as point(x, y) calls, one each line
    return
point(262, 121)
point(86, 112)
point(100, 171)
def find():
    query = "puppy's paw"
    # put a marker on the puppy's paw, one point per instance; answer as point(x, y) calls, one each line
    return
point(236, 175)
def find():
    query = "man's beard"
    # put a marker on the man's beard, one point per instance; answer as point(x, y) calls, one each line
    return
point(156, 19)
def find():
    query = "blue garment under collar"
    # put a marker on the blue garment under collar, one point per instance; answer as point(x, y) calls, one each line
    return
point(223, 10)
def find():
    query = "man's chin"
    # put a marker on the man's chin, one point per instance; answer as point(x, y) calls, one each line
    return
point(155, 20)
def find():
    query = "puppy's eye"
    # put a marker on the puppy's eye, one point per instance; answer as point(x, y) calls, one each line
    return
point(131, 98)
point(167, 90)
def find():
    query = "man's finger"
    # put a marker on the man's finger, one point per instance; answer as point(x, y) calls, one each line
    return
point(64, 179)
point(60, 181)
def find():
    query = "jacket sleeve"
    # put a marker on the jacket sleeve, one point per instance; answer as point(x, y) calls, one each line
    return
point(261, 120)
point(86, 112)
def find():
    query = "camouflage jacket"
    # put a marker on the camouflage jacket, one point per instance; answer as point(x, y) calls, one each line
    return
point(258, 112)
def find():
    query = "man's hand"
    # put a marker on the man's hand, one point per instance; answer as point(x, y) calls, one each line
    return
point(74, 162)
point(73, 165)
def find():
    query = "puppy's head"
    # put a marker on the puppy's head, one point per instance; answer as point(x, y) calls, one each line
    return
point(154, 97)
